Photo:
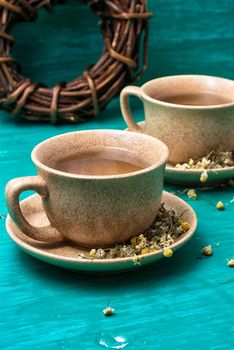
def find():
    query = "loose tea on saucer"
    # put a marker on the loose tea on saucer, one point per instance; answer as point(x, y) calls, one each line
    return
point(165, 230)
point(214, 160)
point(77, 258)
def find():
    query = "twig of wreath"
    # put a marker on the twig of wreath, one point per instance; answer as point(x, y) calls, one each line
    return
point(124, 28)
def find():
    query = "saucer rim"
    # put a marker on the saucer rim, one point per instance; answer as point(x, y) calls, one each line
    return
point(171, 168)
point(101, 262)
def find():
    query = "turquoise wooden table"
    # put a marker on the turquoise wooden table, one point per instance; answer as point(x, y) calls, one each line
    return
point(178, 303)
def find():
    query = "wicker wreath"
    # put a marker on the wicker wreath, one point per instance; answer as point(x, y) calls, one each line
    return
point(124, 28)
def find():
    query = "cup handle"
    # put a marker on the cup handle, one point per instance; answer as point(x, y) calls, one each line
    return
point(125, 107)
point(13, 189)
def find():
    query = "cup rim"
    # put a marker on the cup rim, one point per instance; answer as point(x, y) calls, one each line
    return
point(181, 106)
point(162, 159)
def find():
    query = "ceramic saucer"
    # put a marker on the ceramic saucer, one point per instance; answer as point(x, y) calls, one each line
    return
point(68, 256)
point(178, 176)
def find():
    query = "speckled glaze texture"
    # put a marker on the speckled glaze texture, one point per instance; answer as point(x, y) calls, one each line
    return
point(188, 131)
point(92, 210)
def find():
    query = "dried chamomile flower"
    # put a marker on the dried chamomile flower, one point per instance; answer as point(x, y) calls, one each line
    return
point(153, 246)
point(92, 253)
point(136, 259)
point(207, 251)
point(185, 166)
point(204, 176)
point(179, 231)
point(139, 247)
point(185, 226)
point(113, 253)
point(205, 163)
point(191, 162)
point(228, 158)
point(220, 205)
point(126, 251)
point(145, 251)
point(169, 240)
point(142, 238)
point(142, 243)
point(192, 194)
point(213, 160)
point(230, 263)
point(228, 162)
point(133, 240)
point(100, 254)
point(168, 252)
point(108, 311)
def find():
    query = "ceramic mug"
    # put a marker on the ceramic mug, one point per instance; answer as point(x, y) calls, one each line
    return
point(189, 131)
point(93, 211)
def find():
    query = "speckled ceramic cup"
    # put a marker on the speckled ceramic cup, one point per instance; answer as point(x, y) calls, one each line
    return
point(93, 211)
point(189, 131)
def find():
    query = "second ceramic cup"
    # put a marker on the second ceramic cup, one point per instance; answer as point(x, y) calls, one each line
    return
point(189, 131)
point(93, 210)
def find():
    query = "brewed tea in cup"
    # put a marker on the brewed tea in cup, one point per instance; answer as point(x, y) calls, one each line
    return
point(98, 187)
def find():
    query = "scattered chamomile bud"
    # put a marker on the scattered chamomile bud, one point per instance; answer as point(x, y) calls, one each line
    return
point(191, 162)
point(108, 311)
point(133, 240)
point(207, 251)
point(168, 252)
point(220, 205)
point(192, 194)
point(185, 226)
point(145, 251)
point(230, 263)
point(204, 176)
point(178, 165)
point(92, 253)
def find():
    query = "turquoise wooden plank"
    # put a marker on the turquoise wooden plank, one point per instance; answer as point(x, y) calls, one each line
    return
point(181, 303)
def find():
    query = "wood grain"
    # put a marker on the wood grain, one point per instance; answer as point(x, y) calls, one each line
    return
point(180, 303)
